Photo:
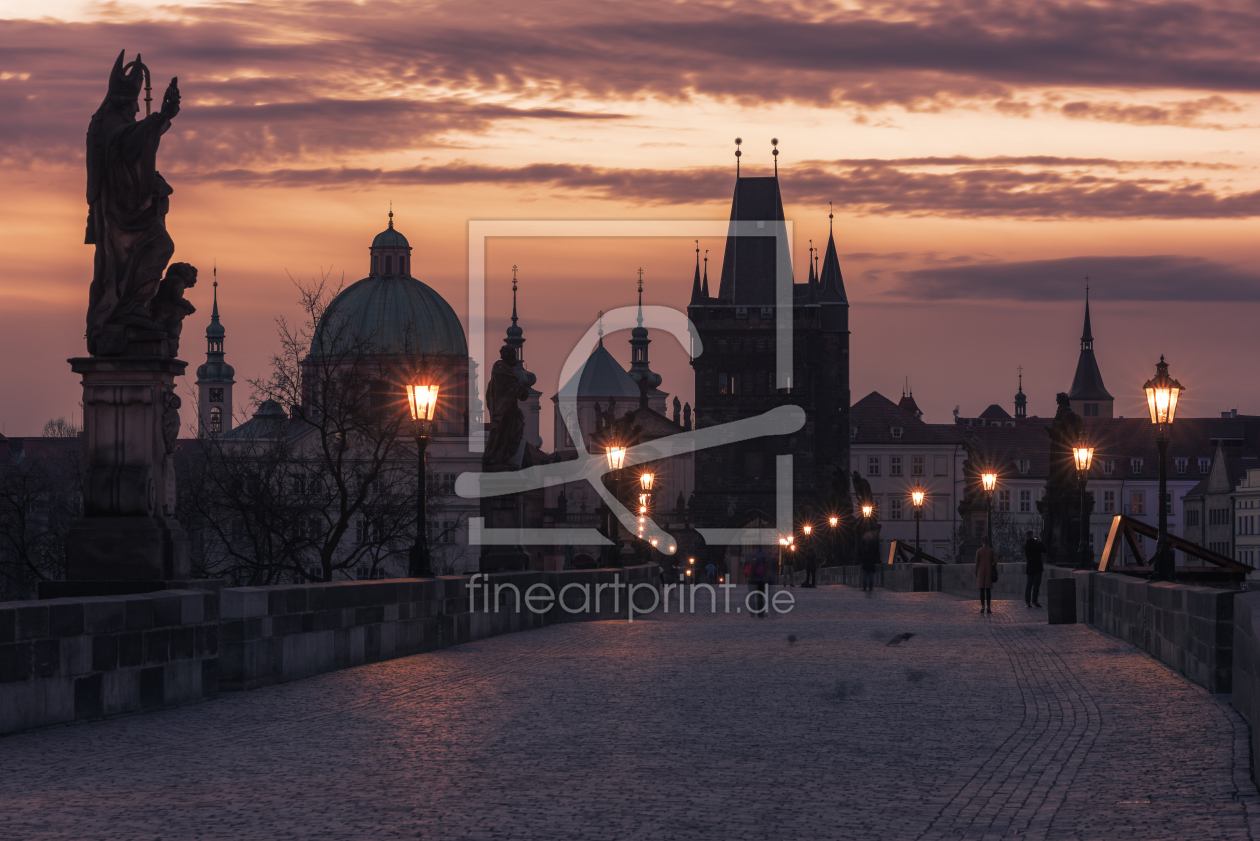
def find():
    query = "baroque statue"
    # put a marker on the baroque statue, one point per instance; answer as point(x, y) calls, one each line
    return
point(127, 204)
point(507, 388)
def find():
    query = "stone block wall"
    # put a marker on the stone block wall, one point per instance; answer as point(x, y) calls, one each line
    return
point(1246, 663)
point(287, 632)
point(64, 660)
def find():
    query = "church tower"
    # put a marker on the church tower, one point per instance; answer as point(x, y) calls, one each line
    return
point(640, 369)
point(214, 379)
point(1088, 397)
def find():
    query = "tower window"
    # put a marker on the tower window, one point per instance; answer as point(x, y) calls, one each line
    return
point(376, 267)
point(216, 395)
point(1091, 410)
point(389, 265)
point(216, 419)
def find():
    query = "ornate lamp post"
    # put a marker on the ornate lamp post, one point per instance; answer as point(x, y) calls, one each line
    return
point(422, 401)
point(1162, 394)
point(834, 522)
point(917, 496)
point(1084, 457)
point(989, 481)
point(616, 460)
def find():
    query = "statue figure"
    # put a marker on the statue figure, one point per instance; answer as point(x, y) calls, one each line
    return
point(127, 204)
point(687, 417)
point(170, 307)
point(1066, 432)
point(507, 422)
point(861, 489)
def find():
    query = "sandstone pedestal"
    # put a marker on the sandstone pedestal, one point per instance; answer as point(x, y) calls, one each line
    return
point(130, 423)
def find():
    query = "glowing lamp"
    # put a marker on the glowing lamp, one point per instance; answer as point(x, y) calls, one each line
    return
point(834, 521)
point(783, 541)
point(916, 496)
point(654, 542)
point(1162, 394)
point(868, 510)
point(645, 479)
point(1084, 456)
point(807, 530)
point(616, 457)
point(989, 480)
point(422, 401)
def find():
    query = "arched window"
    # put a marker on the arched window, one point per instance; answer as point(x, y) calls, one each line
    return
point(404, 264)
point(216, 419)
point(389, 265)
point(375, 265)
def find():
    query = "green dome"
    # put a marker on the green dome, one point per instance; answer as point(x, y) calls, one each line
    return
point(396, 315)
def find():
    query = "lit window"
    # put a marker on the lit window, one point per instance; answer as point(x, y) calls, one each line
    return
point(1138, 502)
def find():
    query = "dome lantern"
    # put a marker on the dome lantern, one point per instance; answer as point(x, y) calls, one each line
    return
point(390, 252)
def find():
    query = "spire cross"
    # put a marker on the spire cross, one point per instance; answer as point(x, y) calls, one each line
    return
point(513, 294)
point(738, 141)
point(391, 214)
point(774, 141)
point(601, 328)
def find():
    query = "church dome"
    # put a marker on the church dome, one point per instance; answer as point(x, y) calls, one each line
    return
point(396, 315)
point(390, 238)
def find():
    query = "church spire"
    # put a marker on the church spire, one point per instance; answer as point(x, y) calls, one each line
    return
point(1087, 335)
point(215, 377)
point(515, 335)
point(1089, 397)
point(640, 371)
point(704, 284)
point(1021, 401)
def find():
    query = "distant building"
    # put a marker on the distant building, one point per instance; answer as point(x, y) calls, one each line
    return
point(214, 379)
point(1089, 398)
point(1219, 509)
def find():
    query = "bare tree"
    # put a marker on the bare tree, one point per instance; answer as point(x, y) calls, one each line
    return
point(322, 481)
point(41, 496)
point(62, 428)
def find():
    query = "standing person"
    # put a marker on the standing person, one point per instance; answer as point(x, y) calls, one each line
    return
point(1033, 550)
point(870, 563)
point(811, 568)
point(986, 561)
point(710, 572)
point(757, 583)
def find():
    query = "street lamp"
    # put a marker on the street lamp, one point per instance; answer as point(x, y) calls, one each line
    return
point(645, 479)
point(616, 457)
point(1084, 457)
point(1162, 394)
point(422, 402)
point(989, 480)
point(917, 496)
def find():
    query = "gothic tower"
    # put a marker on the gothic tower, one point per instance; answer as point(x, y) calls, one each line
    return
point(214, 379)
point(736, 375)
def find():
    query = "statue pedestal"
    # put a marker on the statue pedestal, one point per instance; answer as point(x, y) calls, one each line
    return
point(503, 512)
point(130, 424)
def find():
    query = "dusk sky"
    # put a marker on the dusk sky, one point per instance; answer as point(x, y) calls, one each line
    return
point(982, 157)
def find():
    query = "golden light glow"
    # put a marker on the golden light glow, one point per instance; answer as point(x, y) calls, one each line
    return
point(916, 496)
point(834, 521)
point(422, 401)
point(989, 480)
point(1162, 394)
point(807, 530)
point(672, 550)
point(868, 510)
point(654, 542)
point(783, 541)
point(616, 457)
point(1084, 456)
point(646, 479)
point(643, 498)
point(642, 509)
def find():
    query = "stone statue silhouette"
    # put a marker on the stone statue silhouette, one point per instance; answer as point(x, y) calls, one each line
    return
point(1066, 432)
point(127, 204)
point(507, 423)
point(170, 308)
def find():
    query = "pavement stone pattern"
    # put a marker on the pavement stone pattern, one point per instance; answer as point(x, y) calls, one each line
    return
point(677, 727)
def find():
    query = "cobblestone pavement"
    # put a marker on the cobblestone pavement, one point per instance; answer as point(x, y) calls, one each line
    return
point(691, 727)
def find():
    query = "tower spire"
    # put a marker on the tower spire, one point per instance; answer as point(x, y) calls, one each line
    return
point(695, 283)
point(1021, 402)
point(705, 286)
point(1087, 335)
point(738, 141)
point(515, 335)
point(640, 318)
point(601, 328)
point(774, 141)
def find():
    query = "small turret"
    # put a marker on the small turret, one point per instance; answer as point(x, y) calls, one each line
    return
point(214, 378)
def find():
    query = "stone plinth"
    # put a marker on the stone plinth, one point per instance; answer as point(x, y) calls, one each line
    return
point(130, 424)
point(1061, 601)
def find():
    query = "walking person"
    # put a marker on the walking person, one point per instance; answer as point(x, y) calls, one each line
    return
point(986, 565)
point(710, 573)
point(1033, 550)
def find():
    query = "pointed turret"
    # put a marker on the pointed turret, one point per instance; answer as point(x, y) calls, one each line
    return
point(755, 256)
point(704, 284)
point(1088, 397)
point(907, 404)
point(696, 289)
point(831, 294)
point(215, 377)
point(515, 335)
point(812, 284)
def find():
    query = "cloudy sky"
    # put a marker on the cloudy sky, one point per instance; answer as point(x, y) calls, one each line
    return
point(983, 158)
